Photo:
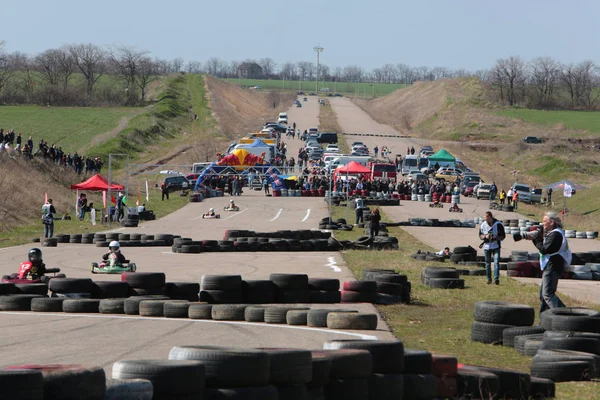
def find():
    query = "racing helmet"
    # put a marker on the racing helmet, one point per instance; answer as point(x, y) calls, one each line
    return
point(114, 245)
point(35, 255)
point(231, 201)
point(211, 210)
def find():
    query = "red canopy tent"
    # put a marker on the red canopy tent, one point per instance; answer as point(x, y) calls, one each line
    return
point(96, 183)
point(352, 168)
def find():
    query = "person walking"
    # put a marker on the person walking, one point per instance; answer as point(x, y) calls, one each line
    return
point(555, 257)
point(48, 212)
point(374, 223)
point(492, 233)
point(359, 204)
point(164, 191)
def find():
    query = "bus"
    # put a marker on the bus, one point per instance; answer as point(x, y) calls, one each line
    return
point(382, 170)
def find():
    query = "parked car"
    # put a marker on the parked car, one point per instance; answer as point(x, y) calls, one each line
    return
point(283, 118)
point(322, 102)
point(338, 95)
point(524, 191)
point(192, 178)
point(532, 139)
point(175, 183)
point(536, 195)
point(468, 188)
point(450, 176)
point(483, 191)
point(276, 127)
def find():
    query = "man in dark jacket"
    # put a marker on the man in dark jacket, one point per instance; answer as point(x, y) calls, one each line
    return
point(492, 233)
point(555, 257)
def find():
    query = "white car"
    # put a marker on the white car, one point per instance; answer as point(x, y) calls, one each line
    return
point(483, 191)
point(283, 118)
point(332, 148)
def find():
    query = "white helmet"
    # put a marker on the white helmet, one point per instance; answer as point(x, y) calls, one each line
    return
point(114, 245)
point(231, 201)
point(211, 210)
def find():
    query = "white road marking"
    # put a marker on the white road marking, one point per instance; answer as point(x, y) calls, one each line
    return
point(332, 264)
point(277, 215)
point(307, 215)
point(234, 214)
point(112, 316)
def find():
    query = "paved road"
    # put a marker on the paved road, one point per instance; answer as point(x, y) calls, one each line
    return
point(101, 340)
point(353, 119)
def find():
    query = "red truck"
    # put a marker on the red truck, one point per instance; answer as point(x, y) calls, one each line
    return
point(382, 170)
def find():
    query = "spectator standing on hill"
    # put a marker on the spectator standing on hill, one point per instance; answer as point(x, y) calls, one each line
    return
point(492, 233)
point(48, 212)
point(549, 195)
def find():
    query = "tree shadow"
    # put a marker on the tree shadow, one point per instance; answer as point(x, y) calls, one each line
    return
point(590, 212)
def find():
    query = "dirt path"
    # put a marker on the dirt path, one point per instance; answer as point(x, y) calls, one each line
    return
point(123, 124)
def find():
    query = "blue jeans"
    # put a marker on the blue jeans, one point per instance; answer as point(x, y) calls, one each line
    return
point(49, 230)
point(495, 253)
point(548, 295)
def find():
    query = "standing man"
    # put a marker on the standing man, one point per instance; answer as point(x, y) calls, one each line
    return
point(120, 205)
point(82, 204)
point(509, 196)
point(164, 191)
point(515, 199)
point(48, 212)
point(374, 223)
point(555, 257)
point(492, 233)
point(359, 203)
point(265, 183)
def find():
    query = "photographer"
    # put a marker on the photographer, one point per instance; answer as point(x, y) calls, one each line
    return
point(555, 256)
point(492, 234)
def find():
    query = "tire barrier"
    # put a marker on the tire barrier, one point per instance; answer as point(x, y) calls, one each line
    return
point(433, 222)
point(442, 278)
point(491, 318)
point(378, 286)
point(369, 199)
point(103, 239)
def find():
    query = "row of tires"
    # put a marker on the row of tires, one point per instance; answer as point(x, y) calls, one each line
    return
point(434, 222)
point(125, 239)
point(442, 278)
point(501, 207)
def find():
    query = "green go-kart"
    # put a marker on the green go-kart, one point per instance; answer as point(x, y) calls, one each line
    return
point(112, 267)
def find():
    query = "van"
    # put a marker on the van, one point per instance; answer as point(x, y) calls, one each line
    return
point(524, 191)
point(327, 137)
point(283, 118)
point(410, 162)
point(175, 183)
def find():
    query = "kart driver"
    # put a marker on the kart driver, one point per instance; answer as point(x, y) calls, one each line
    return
point(211, 212)
point(38, 268)
point(115, 248)
point(231, 204)
point(455, 207)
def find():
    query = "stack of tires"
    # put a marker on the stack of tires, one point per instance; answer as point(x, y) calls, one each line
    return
point(338, 224)
point(442, 278)
point(187, 246)
point(392, 287)
point(291, 288)
point(324, 290)
point(491, 318)
point(182, 291)
point(71, 287)
point(359, 292)
point(49, 242)
point(221, 289)
point(478, 382)
point(463, 253)
point(145, 283)
point(130, 221)
point(570, 347)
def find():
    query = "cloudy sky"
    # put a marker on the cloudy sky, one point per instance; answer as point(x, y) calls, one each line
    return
point(468, 34)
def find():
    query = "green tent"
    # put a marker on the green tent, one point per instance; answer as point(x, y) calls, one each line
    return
point(443, 158)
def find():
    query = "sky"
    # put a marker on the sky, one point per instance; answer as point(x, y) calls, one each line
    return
point(454, 34)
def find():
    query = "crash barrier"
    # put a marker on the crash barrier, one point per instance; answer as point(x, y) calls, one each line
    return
point(382, 241)
point(442, 278)
point(565, 346)
point(501, 207)
point(450, 223)
point(512, 226)
point(103, 239)
point(377, 135)
point(357, 369)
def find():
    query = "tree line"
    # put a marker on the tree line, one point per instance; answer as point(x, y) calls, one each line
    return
point(88, 74)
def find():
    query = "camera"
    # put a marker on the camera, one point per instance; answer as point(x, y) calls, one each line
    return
point(528, 235)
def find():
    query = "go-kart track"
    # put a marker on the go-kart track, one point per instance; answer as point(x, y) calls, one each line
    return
point(98, 339)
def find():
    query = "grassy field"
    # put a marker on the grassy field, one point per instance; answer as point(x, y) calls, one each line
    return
point(440, 320)
point(585, 120)
point(72, 128)
point(348, 88)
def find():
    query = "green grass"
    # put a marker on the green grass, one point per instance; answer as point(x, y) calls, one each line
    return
point(440, 320)
point(72, 128)
point(348, 88)
point(584, 120)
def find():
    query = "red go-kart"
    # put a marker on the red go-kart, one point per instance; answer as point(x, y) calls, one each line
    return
point(24, 276)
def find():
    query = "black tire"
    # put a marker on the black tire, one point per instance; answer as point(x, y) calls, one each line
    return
point(152, 308)
point(128, 389)
point(485, 332)
point(176, 309)
point(227, 367)
point(132, 304)
point(440, 272)
point(182, 290)
point(293, 296)
point(541, 388)
point(169, 378)
point(278, 315)
point(22, 384)
point(200, 311)
point(110, 289)
point(576, 321)
point(144, 280)
point(562, 371)
point(417, 361)
point(513, 384)
point(569, 355)
point(17, 302)
point(499, 312)
point(318, 317)
point(576, 343)
point(153, 292)
point(420, 386)
point(221, 296)
point(349, 296)
point(519, 342)
point(289, 366)
point(388, 278)
point(509, 334)
point(254, 314)
point(290, 281)
point(531, 346)
point(386, 386)
point(112, 306)
point(387, 356)
point(69, 382)
point(259, 292)
point(324, 284)
point(463, 250)
point(71, 285)
point(297, 317)
point(476, 384)
point(348, 363)
point(190, 249)
point(446, 283)
point(81, 305)
point(246, 393)
point(47, 304)
point(396, 289)
point(325, 297)
point(228, 312)
point(360, 286)
point(456, 258)
point(221, 282)
point(356, 321)
point(32, 288)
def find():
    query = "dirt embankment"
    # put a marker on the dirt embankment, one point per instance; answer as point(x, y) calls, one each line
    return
point(239, 111)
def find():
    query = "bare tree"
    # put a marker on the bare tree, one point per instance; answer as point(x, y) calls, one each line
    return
point(177, 65)
point(213, 66)
point(268, 66)
point(91, 61)
point(24, 64)
point(544, 77)
point(194, 67)
point(510, 74)
point(145, 75)
point(587, 83)
point(288, 70)
point(49, 66)
point(6, 70)
point(127, 64)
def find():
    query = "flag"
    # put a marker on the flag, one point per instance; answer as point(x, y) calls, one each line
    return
point(104, 198)
point(113, 199)
point(45, 197)
point(147, 193)
point(137, 202)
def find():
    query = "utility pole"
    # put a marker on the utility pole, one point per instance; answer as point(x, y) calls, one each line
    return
point(318, 49)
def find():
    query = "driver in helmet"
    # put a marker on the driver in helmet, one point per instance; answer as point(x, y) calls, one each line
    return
point(115, 251)
point(231, 204)
point(211, 212)
point(38, 268)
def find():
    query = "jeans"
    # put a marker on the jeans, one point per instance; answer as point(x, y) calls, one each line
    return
point(82, 213)
point(548, 295)
point(374, 230)
point(515, 203)
point(359, 215)
point(495, 253)
point(49, 230)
